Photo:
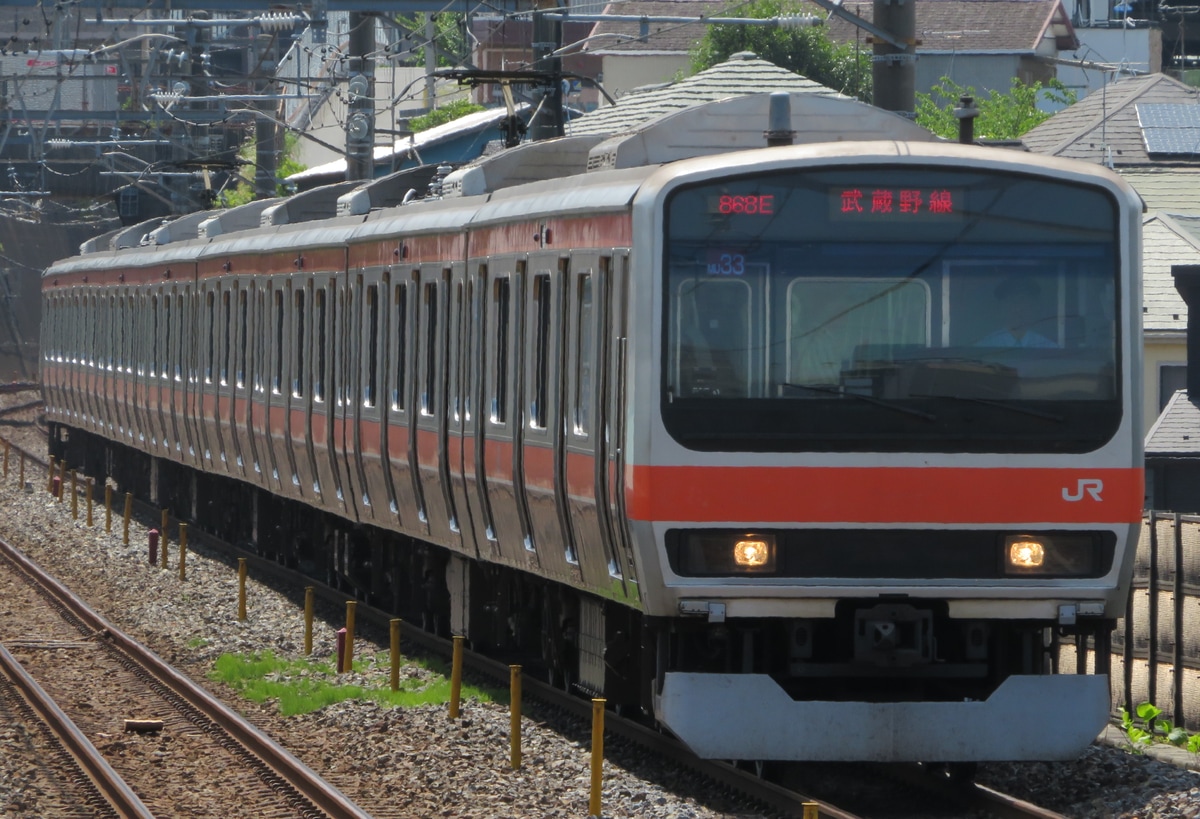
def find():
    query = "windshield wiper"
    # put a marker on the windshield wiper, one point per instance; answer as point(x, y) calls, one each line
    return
point(1048, 416)
point(870, 399)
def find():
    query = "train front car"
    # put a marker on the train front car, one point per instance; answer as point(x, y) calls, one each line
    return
point(890, 452)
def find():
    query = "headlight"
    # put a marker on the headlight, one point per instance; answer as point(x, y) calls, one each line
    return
point(727, 553)
point(1056, 555)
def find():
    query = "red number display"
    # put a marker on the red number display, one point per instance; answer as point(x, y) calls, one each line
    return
point(749, 204)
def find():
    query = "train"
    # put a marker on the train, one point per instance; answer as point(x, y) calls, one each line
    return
point(812, 451)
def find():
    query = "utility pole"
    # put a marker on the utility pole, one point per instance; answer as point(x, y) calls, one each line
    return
point(547, 39)
point(360, 118)
point(893, 66)
point(266, 130)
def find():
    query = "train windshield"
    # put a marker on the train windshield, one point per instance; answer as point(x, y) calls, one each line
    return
point(891, 309)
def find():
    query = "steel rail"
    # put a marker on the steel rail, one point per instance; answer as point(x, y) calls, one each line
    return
point(320, 793)
point(107, 782)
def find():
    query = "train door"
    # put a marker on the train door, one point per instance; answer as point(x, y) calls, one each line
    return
point(162, 369)
point(143, 344)
point(240, 387)
point(458, 407)
point(174, 312)
point(474, 496)
point(216, 407)
point(614, 401)
point(585, 423)
point(431, 337)
point(258, 466)
point(300, 452)
point(198, 348)
point(543, 442)
point(291, 455)
point(322, 417)
point(367, 432)
point(401, 433)
point(347, 376)
point(203, 410)
point(500, 461)
point(269, 428)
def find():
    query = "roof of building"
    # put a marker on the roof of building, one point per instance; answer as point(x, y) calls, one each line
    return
point(624, 37)
point(1177, 430)
point(742, 74)
point(979, 26)
point(1104, 127)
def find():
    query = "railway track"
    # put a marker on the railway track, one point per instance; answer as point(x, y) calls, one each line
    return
point(101, 678)
point(908, 792)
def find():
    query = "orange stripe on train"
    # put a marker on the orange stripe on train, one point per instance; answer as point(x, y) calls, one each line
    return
point(884, 495)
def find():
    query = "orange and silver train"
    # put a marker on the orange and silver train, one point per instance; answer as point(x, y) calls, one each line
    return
point(808, 452)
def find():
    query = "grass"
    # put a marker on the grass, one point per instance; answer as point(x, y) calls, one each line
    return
point(301, 686)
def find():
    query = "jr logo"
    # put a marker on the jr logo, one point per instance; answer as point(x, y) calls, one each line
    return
point(1090, 486)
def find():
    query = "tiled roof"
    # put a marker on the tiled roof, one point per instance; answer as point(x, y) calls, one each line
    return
point(741, 75)
point(663, 38)
point(1103, 126)
point(1177, 430)
point(992, 26)
point(1167, 240)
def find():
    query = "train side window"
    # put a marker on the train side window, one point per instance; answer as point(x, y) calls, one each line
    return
point(400, 305)
point(428, 392)
point(277, 379)
point(455, 362)
point(298, 370)
point(226, 321)
point(243, 339)
point(371, 383)
point(319, 375)
point(584, 368)
point(500, 304)
point(542, 303)
point(210, 299)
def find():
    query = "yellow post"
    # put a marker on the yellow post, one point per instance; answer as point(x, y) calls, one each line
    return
point(6, 459)
point(597, 755)
point(348, 659)
point(62, 478)
point(50, 479)
point(22, 476)
point(812, 810)
point(88, 487)
point(308, 618)
point(128, 514)
point(107, 507)
point(74, 495)
point(456, 675)
point(183, 551)
point(164, 536)
point(514, 717)
point(395, 624)
point(241, 588)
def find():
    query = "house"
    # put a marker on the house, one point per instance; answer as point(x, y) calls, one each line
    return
point(1173, 443)
point(741, 75)
point(635, 54)
point(1145, 128)
point(982, 44)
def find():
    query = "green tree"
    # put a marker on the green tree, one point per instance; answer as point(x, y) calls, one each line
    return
point(446, 113)
point(241, 191)
point(806, 50)
point(448, 32)
point(1001, 116)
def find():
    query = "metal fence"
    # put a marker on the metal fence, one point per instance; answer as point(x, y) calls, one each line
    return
point(1156, 646)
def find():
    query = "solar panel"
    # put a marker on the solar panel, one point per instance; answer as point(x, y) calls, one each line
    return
point(1170, 128)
